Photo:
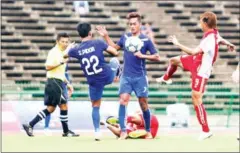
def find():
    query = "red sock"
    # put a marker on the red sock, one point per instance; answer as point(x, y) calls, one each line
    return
point(202, 117)
point(170, 70)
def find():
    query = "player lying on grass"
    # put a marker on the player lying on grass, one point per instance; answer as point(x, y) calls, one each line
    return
point(135, 126)
point(199, 62)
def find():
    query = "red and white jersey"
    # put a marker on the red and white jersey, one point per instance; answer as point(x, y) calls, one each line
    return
point(209, 47)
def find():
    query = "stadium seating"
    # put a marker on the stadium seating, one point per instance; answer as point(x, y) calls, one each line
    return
point(29, 30)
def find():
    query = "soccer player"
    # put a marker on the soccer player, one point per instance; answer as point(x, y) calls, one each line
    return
point(96, 70)
point(134, 76)
point(65, 93)
point(55, 66)
point(199, 62)
point(135, 126)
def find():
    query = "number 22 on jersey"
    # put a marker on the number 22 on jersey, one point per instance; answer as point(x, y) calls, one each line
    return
point(93, 62)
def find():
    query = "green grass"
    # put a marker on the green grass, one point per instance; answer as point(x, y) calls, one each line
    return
point(85, 143)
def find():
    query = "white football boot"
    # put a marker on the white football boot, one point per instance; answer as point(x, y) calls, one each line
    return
point(160, 80)
point(204, 135)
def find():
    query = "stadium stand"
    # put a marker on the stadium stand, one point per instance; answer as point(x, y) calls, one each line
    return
point(29, 28)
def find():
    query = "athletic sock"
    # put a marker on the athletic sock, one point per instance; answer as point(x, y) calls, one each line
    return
point(96, 118)
point(41, 115)
point(122, 114)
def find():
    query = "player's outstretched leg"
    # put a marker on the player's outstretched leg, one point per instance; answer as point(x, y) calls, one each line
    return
point(116, 68)
point(41, 115)
point(173, 64)
point(115, 129)
point(114, 63)
point(201, 115)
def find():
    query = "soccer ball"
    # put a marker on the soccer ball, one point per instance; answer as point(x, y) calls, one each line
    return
point(133, 44)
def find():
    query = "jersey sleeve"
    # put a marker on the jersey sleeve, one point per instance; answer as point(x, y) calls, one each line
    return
point(102, 44)
point(207, 44)
point(151, 47)
point(120, 42)
point(72, 52)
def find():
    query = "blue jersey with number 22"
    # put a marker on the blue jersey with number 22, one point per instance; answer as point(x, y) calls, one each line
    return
point(90, 56)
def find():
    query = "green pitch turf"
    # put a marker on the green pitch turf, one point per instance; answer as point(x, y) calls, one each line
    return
point(85, 143)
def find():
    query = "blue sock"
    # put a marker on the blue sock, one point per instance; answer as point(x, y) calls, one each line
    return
point(122, 114)
point(96, 118)
point(47, 121)
point(147, 119)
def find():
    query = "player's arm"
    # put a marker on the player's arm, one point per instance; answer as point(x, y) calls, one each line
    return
point(153, 57)
point(51, 67)
point(70, 51)
point(112, 50)
point(229, 45)
point(185, 49)
point(69, 48)
point(103, 32)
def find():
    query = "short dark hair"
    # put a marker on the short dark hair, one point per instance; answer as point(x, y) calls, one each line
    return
point(134, 15)
point(83, 29)
point(62, 34)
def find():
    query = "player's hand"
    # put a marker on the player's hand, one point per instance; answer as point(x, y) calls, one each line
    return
point(173, 39)
point(70, 89)
point(70, 46)
point(231, 47)
point(116, 79)
point(138, 54)
point(64, 60)
point(101, 30)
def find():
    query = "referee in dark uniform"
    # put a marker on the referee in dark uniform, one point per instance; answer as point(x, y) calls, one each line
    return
point(54, 93)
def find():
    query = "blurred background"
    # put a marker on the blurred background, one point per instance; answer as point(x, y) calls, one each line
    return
point(29, 29)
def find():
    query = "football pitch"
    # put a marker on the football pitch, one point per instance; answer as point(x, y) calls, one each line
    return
point(184, 142)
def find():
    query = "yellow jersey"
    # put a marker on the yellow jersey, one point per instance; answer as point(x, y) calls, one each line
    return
point(55, 56)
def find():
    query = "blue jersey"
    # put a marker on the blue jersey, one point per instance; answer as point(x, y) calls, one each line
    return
point(134, 66)
point(91, 58)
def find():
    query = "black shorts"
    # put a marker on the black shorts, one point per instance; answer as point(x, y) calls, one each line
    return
point(54, 93)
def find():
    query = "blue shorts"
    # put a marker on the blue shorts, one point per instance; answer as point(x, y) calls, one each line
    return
point(137, 84)
point(96, 90)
